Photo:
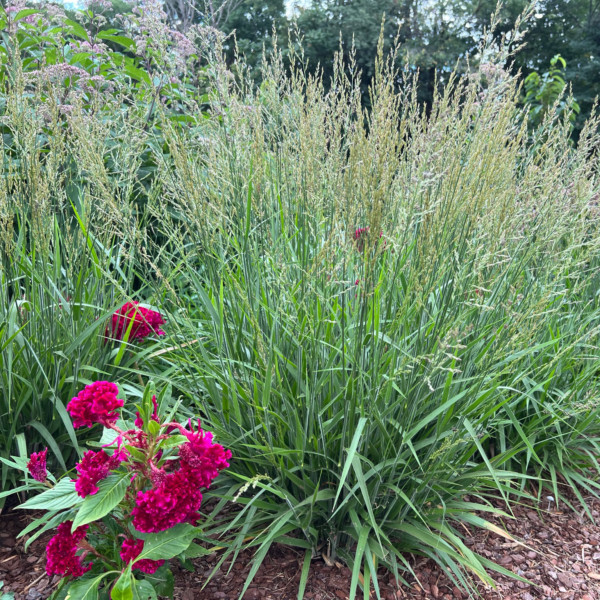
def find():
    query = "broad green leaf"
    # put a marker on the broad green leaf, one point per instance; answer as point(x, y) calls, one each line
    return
point(123, 588)
point(27, 12)
point(169, 543)
point(137, 74)
point(110, 492)
point(62, 495)
point(196, 550)
point(117, 39)
point(78, 29)
point(162, 581)
point(85, 589)
point(143, 590)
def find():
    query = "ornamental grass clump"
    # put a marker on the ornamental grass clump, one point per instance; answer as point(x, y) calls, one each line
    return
point(372, 423)
point(132, 505)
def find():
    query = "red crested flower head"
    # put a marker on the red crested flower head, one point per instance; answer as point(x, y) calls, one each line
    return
point(174, 499)
point(37, 465)
point(131, 550)
point(201, 459)
point(93, 467)
point(61, 552)
point(145, 322)
point(154, 417)
point(96, 403)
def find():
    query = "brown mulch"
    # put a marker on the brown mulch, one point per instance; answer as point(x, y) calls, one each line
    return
point(560, 556)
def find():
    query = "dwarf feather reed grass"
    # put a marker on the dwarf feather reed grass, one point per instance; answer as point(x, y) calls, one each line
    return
point(366, 389)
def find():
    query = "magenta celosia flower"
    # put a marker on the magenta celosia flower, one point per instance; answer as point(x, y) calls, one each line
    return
point(201, 459)
point(131, 550)
point(61, 552)
point(174, 499)
point(93, 467)
point(360, 232)
point(96, 403)
point(37, 465)
point(359, 237)
point(145, 322)
point(154, 417)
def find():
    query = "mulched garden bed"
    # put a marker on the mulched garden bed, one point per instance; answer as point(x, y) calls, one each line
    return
point(561, 558)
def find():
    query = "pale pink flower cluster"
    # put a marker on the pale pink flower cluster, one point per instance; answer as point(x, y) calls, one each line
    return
point(152, 35)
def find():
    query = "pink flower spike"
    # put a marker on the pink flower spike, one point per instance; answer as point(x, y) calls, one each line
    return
point(93, 467)
point(37, 465)
point(358, 233)
point(201, 458)
point(175, 499)
point(145, 322)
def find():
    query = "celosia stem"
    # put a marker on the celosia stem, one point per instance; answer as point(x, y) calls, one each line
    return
point(120, 432)
point(85, 545)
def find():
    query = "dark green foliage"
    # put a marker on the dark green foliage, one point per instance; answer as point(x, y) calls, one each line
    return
point(253, 24)
point(542, 92)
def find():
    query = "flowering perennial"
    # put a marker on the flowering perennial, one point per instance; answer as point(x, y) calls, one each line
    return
point(93, 467)
point(96, 403)
point(176, 497)
point(145, 322)
point(131, 550)
point(37, 465)
point(202, 459)
point(162, 472)
point(359, 237)
point(61, 552)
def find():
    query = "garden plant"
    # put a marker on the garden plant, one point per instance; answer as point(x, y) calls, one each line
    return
point(389, 315)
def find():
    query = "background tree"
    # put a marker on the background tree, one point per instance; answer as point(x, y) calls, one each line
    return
point(251, 26)
point(213, 13)
point(435, 35)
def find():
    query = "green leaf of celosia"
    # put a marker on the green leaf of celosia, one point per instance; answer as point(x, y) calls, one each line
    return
point(143, 590)
point(123, 588)
point(169, 543)
point(62, 495)
point(85, 589)
point(111, 491)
